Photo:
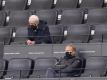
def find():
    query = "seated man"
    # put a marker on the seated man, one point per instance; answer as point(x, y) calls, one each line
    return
point(71, 62)
point(38, 31)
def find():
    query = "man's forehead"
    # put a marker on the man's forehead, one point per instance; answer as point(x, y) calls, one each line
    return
point(68, 47)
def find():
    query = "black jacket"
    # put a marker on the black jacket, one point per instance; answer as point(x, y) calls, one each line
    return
point(40, 34)
point(72, 66)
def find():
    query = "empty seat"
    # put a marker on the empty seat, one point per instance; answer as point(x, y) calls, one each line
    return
point(1, 4)
point(100, 34)
point(15, 4)
point(56, 33)
point(21, 35)
point(72, 17)
point(91, 78)
point(41, 4)
point(18, 18)
point(104, 49)
point(50, 16)
point(97, 16)
point(2, 18)
point(95, 67)
point(42, 65)
point(5, 35)
point(1, 50)
point(3, 67)
point(77, 34)
point(66, 4)
point(19, 68)
point(89, 4)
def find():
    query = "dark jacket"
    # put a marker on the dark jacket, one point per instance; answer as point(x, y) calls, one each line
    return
point(72, 66)
point(40, 34)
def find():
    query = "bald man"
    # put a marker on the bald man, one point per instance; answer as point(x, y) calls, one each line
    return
point(38, 31)
point(72, 62)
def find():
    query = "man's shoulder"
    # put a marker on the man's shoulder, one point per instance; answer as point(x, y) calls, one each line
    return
point(42, 24)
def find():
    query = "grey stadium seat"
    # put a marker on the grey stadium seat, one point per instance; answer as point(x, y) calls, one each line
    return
point(41, 4)
point(72, 17)
point(1, 50)
point(56, 33)
point(89, 4)
point(100, 33)
point(21, 35)
point(66, 4)
point(104, 49)
point(92, 78)
point(40, 79)
point(95, 67)
point(18, 18)
point(1, 4)
point(3, 67)
point(77, 33)
point(97, 16)
point(19, 68)
point(15, 4)
point(50, 16)
point(2, 18)
point(42, 65)
point(5, 35)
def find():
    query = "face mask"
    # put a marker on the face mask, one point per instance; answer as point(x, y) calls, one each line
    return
point(33, 27)
point(68, 54)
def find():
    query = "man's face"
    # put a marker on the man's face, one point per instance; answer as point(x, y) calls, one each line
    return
point(32, 24)
point(69, 49)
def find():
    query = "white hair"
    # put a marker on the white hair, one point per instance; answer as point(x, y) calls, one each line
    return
point(34, 19)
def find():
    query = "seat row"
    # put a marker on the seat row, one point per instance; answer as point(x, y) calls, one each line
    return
point(49, 4)
point(82, 33)
point(75, 16)
point(41, 67)
point(79, 78)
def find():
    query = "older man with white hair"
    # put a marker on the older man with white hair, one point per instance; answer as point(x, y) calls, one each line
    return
point(38, 31)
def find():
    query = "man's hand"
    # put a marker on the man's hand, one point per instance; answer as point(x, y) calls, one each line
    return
point(29, 42)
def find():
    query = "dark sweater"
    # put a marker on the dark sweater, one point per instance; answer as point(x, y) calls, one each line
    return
point(72, 66)
point(39, 34)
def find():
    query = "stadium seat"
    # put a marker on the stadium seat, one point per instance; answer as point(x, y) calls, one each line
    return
point(24, 51)
point(21, 35)
point(66, 4)
point(19, 68)
point(42, 65)
point(5, 35)
point(104, 49)
point(40, 4)
point(77, 34)
point(89, 4)
point(100, 34)
point(95, 67)
point(15, 4)
point(18, 18)
point(72, 17)
point(3, 67)
point(50, 16)
point(1, 4)
point(56, 33)
point(97, 16)
point(1, 50)
point(91, 78)
point(2, 18)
